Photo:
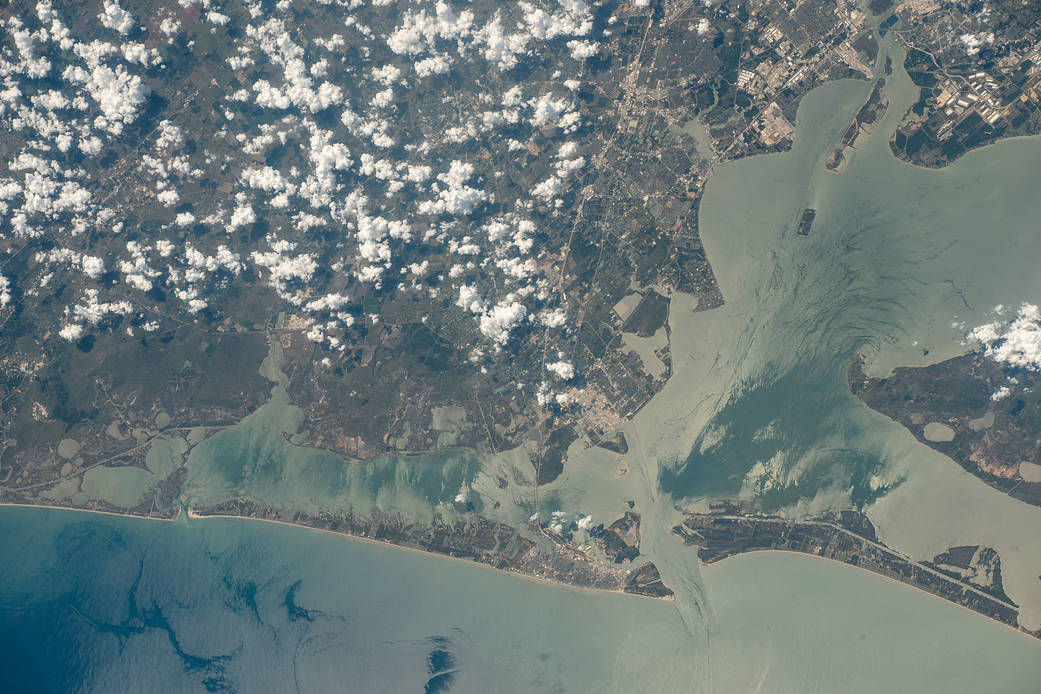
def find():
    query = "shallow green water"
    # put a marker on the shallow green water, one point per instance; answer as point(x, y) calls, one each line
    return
point(254, 459)
point(897, 254)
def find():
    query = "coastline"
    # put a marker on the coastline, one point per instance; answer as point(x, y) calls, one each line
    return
point(706, 567)
point(77, 509)
point(707, 570)
point(192, 515)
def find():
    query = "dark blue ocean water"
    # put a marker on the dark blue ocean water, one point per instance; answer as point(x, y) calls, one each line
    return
point(95, 603)
point(98, 603)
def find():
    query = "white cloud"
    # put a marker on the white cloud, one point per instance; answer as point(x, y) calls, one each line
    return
point(499, 321)
point(580, 50)
point(470, 299)
point(242, 216)
point(553, 319)
point(117, 93)
point(501, 47)
point(457, 198)
point(115, 17)
point(92, 266)
point(170, 26)
point(284, 268)
point(434, 65)
point(71, 332)
point(562, 370)
point(94, 311)
point(218, 18)
point(275, 41)
point(385, 75)
point(1016, 342)
point(170, 136)
point(974, 42)
point(547, 188)
point(168, 197)
point(547, 110)
point(264, 178)
point(419, 31)
point(138, 53)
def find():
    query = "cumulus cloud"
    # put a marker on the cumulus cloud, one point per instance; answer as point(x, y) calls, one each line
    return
point(170, 136)
point(115, 17)
point(457, 197)
point(974, 42)
point(470, 299)
point(299, 89)
point(414, 199)
point(168, 197)
point(562, 370)
point(500, 46)
point(419, 31)
point(138, 53)
point(218, 18)
point(92, 266)
point(242, 216)
point(553, 318)
point(72, 332)
point(264, 178)
point(548, 188)
point(499, 321)
point(434, 65)
point(170, 26)
point(117, 93)
point(580, 50)
point(1016, 342)
point(284, 268)
point(94, 311)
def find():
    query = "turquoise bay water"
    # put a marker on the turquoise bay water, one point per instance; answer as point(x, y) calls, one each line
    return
point(254, 459)
point(106, 604)
point(897, 255)
point(901, 261)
